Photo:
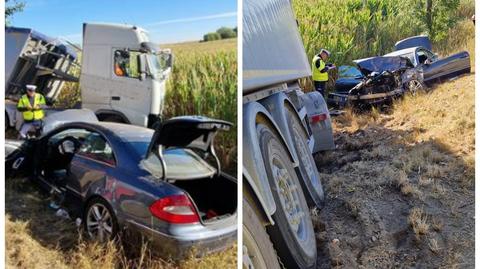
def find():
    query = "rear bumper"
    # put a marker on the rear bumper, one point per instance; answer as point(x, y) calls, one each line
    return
point(180, 246)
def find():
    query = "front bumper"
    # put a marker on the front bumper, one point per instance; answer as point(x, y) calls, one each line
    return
point(192, 239)
point(340, 100)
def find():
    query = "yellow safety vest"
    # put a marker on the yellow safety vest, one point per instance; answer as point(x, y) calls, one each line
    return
point(316, 75)
point(30, 115)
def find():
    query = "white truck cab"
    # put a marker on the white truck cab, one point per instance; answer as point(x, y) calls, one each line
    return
point(123, 75)
point(122, 79)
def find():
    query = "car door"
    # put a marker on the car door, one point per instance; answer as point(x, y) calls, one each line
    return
point(90, 167)
point(437, 69)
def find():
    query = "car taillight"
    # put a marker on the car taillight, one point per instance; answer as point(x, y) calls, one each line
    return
point(318, 118)
point(175, 209)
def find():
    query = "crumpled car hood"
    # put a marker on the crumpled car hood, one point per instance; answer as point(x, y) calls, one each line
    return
point(382, 63)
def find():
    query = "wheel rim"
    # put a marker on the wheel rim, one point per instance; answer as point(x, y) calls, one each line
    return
point(252, 257)
point(414, 86)
point(288, 194)
point(99, 223)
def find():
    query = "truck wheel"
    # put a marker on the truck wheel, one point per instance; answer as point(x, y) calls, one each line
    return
point(292, 235)
point(309, 176)
point(258, 251)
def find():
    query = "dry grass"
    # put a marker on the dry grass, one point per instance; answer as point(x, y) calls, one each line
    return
point(418, 220)
point(36, 238)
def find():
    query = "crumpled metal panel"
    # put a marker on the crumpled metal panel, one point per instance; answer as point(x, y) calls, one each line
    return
point(273, 50)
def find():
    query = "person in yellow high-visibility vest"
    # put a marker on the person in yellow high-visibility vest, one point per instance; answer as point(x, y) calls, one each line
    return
point(320, 70)
point(31, 105)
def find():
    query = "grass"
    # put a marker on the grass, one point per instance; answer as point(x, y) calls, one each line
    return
point(419, 222)
point(36, 238)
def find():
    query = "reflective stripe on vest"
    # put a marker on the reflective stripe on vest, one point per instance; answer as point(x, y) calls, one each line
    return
point(35, 114)
point(316, 74)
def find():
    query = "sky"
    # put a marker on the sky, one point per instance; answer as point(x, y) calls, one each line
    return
point(169, 21)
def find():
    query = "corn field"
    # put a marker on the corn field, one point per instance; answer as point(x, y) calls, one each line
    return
point(355, 29)
point(204, 82)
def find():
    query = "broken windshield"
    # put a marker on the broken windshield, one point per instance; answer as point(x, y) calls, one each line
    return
point(158, 64)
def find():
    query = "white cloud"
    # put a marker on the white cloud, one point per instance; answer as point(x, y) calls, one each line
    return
point(194, 19)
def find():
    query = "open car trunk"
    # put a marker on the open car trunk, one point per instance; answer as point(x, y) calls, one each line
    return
point(178, 154)
point(215, 198)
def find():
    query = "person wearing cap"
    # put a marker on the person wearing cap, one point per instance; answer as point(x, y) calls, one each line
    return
point(320, 70)
point(31, 105)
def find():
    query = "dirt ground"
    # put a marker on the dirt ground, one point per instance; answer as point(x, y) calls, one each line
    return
point(400, 185)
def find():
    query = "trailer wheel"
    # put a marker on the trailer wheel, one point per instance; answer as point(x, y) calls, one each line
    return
point(310, 178)
point(292, 235)
point(258, 251)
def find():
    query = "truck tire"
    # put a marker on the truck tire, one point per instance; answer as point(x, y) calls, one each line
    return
point(292, 235)
point(258, 251)
point(309, 176)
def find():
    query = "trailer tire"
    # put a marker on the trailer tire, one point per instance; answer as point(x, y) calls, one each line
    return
point(292, 235)
point(310, 178)
point(258, 251)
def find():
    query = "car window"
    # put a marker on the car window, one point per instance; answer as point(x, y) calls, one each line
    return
point(181, 164)
point(125, 63)
point(424, 55)
point(345, 71)
point(97, 148)
point(77, 133)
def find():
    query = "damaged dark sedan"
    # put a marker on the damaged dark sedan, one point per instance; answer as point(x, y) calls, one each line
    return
point(165, 185)
point(435, 69)
point(410, 68)
point(377, 80)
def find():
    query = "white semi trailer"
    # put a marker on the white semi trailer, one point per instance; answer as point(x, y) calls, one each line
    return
point(282, 128)
point(122, 76)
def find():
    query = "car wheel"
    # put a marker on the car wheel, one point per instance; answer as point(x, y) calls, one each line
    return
point(309, 176)
point(99, 221)
point(414, 86)
point(292, 235)
point(258, 251)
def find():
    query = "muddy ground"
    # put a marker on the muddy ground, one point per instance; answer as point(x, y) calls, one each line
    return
point(396, 198)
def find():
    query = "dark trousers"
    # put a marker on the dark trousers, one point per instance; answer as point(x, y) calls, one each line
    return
point(320, 87)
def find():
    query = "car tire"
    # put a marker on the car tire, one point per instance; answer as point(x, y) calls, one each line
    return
point(309, 176)
point(98, 210)
point(292, 235)
point(258, 251)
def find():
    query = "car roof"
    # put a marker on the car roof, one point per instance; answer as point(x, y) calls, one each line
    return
point(122, 131)
point(402, 52)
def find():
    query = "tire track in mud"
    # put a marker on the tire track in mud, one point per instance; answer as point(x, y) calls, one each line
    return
point(365, 223)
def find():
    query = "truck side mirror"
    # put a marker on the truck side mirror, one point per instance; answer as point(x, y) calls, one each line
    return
point(142, 66)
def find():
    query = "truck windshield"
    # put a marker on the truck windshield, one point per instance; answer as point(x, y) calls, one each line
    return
point(157, 64)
